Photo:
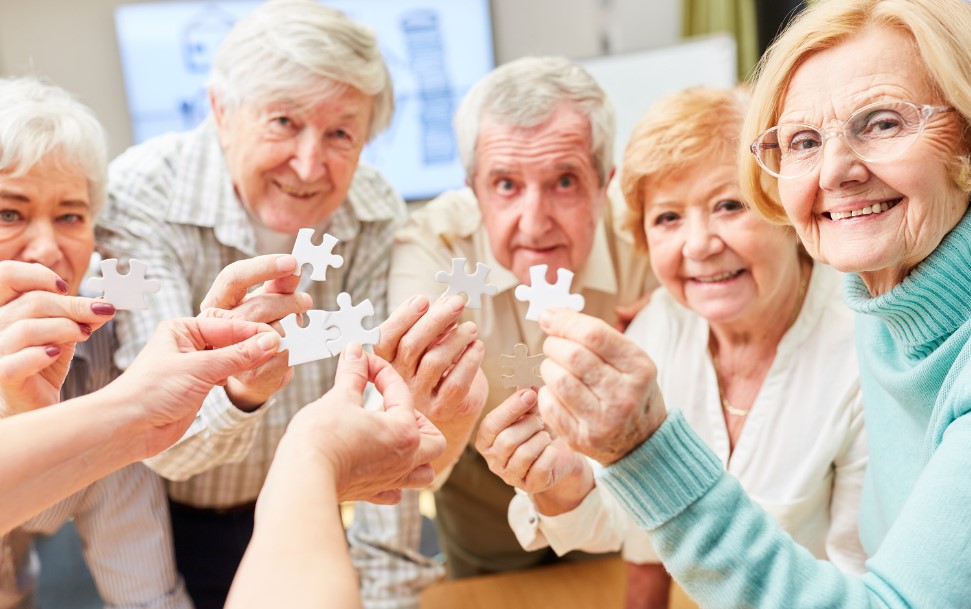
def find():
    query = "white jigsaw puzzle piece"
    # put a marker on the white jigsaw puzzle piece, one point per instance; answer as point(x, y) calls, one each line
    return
point(474, 286)
point(349, 321)
point(524, 367)
point(542, 295)
point(319, 256)
point(126, 292)
point(307, 344)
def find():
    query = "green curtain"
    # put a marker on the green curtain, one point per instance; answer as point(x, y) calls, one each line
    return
point(735, 17)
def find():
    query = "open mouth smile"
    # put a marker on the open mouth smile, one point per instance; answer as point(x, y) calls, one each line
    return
point(866, 210)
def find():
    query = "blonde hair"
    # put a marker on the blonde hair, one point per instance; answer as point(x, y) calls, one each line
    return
point(680, 131)
point(941, 30)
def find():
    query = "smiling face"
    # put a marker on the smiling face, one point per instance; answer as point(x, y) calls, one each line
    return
point(912, 199)
point(292, 165)
point(539, 192)
point(713, 254)
point(45, 217)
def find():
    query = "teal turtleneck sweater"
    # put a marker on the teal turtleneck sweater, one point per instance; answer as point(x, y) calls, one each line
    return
point(914, 344)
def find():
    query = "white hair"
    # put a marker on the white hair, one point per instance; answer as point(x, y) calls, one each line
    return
point(300, 50)
point(40, 122)
point(525, 93)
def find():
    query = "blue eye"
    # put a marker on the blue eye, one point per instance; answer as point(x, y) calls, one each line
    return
point(9, 216)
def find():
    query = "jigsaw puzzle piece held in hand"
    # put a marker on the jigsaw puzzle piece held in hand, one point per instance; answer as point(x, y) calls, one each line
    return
point(474, 286)
point(319, 256)
point(310, 343)
point(524, 367)
point(542, 295)
point(348, 320)
point(126, 292)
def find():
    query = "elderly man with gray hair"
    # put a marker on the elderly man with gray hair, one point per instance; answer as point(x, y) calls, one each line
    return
point(297, 89)
point(536, 137)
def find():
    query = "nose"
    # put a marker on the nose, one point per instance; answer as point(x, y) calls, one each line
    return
point(701, 241)
point(536, 219)
point(41, 245)
point(308, 159)
point(839, 165)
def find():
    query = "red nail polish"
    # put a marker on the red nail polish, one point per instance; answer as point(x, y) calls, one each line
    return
point(103, 308)
point(85, 329)
point(61, 286)
point(52, 350)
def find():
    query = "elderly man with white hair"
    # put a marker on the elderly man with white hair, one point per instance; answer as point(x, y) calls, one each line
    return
point(536, 138)
point(297, 89)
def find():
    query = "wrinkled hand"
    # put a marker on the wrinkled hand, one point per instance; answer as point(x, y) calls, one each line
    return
point(272, 301)
point(601, 392)
point(39, 326)
point(372, 455)
point(520, 449)
point(166, 383)
point(441, 364)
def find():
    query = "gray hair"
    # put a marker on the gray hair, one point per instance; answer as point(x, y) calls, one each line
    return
point(39, 121)
point(525, 93)
point(289, 49)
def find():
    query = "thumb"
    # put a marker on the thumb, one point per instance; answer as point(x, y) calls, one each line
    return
point(216, 365)
point(352, 371)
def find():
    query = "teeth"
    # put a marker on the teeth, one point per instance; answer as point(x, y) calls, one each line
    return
point(292, 191)
point(721, 277)
point(876, 208)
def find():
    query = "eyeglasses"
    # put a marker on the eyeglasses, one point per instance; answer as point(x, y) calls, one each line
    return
point(877, 132)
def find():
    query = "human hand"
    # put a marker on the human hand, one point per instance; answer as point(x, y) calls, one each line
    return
point(520, 449)
point(165, 385)
point(370, 455)
point(272, 301)
point(39, 326)
point(601, 392)
point(626, 313)
point(441, 364)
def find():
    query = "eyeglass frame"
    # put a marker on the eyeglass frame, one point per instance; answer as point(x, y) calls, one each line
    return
point(926, 112)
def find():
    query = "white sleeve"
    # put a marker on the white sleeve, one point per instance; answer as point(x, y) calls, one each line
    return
point(598, 524)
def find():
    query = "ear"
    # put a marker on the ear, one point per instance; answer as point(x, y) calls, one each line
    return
point(610, 176)
point(218, 111)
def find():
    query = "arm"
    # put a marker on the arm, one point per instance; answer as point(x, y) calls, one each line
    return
point(333, 450)
point(843, 546)
point(88, 437)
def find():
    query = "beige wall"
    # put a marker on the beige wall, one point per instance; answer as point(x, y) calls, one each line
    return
point(73, 43)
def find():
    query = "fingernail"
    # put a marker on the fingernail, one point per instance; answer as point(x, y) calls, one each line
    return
point(52, 350)
point(471, 327)
point(285, 263)
point(307, 299)
point(61, 286)
point(418, 302)
point(352, 352)
point(85, 329)
point(267, 341)
point(546, 319)
point(103, 308)
point(456, 302)
point(528, 397)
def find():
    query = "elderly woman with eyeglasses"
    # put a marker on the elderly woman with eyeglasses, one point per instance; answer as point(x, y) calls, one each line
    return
point(861, 132)
point(754, 344)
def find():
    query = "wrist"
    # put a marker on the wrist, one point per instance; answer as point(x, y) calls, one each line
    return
point(567, 493)
point(243, 398)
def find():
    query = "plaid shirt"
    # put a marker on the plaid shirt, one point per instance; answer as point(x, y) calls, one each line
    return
point(122, 519)
point(171, 204)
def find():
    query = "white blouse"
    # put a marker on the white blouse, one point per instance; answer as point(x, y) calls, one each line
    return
point(801, 454)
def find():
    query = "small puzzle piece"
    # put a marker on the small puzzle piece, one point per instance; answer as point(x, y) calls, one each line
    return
point(306, 344)
point(126, 292)
point(319, 256)
point(348, 320)
point(474, 286)
point(524, 367)
point(542, 295)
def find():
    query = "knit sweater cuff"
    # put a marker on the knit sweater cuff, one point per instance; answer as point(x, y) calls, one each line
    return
point(664, 475)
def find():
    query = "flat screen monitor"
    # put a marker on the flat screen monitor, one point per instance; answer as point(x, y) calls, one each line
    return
point(435, 50)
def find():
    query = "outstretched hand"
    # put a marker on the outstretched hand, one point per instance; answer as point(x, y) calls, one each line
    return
point(371, 455)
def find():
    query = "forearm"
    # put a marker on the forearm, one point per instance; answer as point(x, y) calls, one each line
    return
point(648, 586)
point(298, 555)
point(51, 453)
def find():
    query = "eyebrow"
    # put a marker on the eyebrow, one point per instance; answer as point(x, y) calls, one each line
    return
point(9, 195)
